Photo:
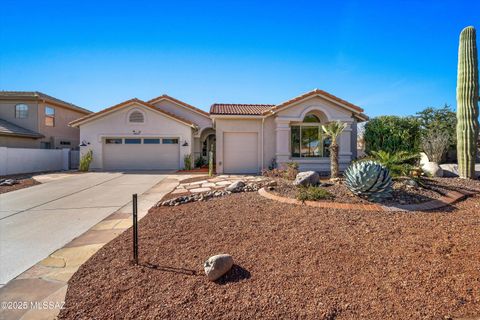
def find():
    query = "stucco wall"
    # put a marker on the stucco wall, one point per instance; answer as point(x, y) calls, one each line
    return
point(116, 125)
point(16, 142)
point(186, 113)
point(61, 131)
point(19, 160)
point(7, 112)
point(328, 111)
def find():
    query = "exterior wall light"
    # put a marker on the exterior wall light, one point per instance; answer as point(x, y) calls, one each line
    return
point(84, 143)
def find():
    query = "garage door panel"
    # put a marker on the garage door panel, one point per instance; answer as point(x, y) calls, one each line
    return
point(240, 152)
point(141, 156)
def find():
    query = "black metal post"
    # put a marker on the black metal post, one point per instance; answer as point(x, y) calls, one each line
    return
point(135, 229)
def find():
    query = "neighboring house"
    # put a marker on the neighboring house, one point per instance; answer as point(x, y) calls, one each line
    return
point(247, 138)
point(37, 120)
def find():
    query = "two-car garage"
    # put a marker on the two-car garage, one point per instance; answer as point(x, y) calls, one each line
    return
point(137, 153)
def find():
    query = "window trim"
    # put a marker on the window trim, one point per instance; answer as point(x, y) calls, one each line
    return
point(322, 136)
point(19, 112)
point(48, 116)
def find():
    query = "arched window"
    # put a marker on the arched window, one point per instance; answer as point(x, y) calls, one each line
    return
point(136, 117)
point(308, 140)
point(311, 118)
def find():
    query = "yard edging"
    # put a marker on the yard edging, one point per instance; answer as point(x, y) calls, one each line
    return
point(448, 199)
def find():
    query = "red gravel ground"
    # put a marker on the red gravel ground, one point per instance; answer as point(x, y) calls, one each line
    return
point(292, 262)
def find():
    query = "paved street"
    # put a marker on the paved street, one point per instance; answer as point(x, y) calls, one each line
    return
point(38, 220)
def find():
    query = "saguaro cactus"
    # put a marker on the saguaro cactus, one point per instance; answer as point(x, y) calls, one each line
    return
point(467, 103)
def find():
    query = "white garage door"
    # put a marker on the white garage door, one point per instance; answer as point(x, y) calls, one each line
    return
point(141, 154)
point(240, 152)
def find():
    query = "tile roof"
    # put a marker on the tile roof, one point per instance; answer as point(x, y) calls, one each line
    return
point(166, 96)
point(41, 96)
point(125, 103)
point(239, 109)
point(10, 129)
point(314, 93)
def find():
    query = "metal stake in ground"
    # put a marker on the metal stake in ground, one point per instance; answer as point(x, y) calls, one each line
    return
point(135, 229)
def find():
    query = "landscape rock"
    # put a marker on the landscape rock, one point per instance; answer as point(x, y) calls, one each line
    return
point(307, 178)
point(8, 182)
point(449, 170)
point(237, 186)
point(432, 169)
point(217, 266)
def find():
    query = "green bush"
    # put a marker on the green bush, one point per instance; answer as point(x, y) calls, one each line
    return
point(313, 194)
point(392, 134)
point(200, 162)
point(187, 162)
point(400, 163)
point(85, 161)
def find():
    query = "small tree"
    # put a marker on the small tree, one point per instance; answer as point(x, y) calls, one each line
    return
point(435, 143)
point(333, 130)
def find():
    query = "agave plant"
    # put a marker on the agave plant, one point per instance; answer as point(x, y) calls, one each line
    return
point(369, 179)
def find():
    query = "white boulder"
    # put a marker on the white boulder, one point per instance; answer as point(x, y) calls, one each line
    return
point(307, 178)
point(217, 266)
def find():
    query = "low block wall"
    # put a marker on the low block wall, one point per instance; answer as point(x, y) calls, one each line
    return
point(20, 160)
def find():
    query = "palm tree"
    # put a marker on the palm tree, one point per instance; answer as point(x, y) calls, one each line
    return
point(333, 130)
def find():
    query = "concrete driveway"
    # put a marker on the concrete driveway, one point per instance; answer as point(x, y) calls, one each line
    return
point(38, 220)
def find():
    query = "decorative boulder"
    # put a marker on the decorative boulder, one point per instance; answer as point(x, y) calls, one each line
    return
point(449, 169)
point(432, 169)
point(217, 266)
point(237, 186)
point(307, 178)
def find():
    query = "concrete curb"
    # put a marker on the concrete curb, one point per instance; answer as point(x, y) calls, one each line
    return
point(448, 199)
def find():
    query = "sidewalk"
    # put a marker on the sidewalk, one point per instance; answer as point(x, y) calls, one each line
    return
point(39, 292)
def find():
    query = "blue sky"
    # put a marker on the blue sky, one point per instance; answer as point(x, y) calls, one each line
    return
point(388, 57)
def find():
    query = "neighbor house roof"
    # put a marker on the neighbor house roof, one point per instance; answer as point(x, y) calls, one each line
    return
point(239, 109)
point(10, 129)
point(36, 95)
point(186, 105)
point(103, 112)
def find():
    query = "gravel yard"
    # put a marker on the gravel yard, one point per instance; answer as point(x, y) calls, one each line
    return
point(291, 262)
point(22, 181)
point(402, 193)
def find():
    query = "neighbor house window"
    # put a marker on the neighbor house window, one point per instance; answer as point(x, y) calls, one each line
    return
point(170, 141)
point(136, 117)
point(307, 139)
point(133, 141)
point(21, 111)
point(49, 116)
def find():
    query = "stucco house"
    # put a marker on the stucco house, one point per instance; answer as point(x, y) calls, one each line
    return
point(32, 119)
point(158, 134)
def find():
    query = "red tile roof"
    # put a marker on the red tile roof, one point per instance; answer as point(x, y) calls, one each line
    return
point(239, 109)
point(317, 92)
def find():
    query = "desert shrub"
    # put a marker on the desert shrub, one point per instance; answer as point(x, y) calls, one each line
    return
point(85, 161)
point(291, 170)
point(200, 162)
point(435, 144)
point(400, 163)
point(312, 194)
point(392, 134)
point(187, 162)
point(441, 120)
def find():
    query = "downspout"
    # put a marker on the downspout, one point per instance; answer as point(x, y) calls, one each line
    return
point(263, 120)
